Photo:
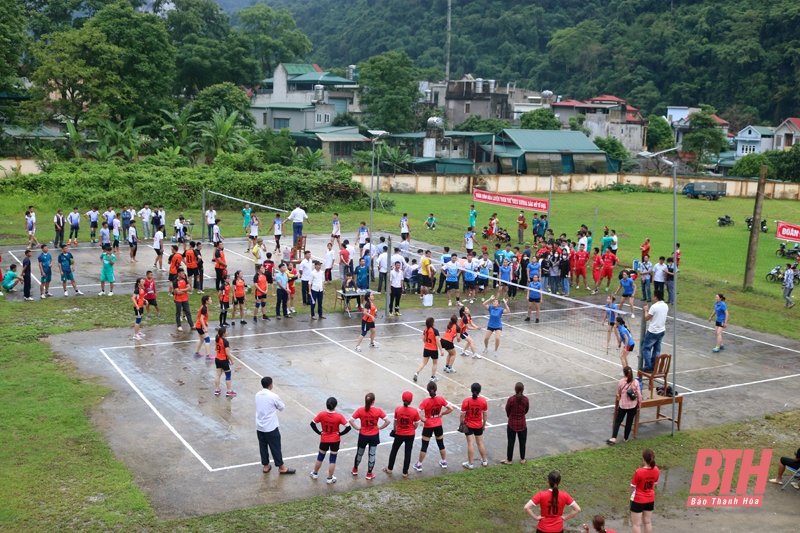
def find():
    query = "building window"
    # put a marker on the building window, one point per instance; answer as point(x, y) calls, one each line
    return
point(319, 118)
point(264, 119)
point(280, 123)
point(436, 98)
point(327, 118)
point(342, 148)
point(466, 108)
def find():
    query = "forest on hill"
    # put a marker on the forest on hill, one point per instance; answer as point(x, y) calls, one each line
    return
point(741, 56)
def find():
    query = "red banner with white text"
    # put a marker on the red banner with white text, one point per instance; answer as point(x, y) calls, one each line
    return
point(788, 232)
point(507, 200)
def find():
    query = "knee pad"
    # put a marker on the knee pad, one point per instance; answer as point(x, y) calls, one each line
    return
point(208, 339)
point(424, 447)
point(332, 458)
point(228, 375)
point(320, 456)
point(440, 443)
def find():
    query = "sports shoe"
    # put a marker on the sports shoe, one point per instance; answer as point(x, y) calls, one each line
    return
point(434, 378)
point(606, 289)
point(716, 349)
point(137, 336)
point(452, 370)
point(79, 293)
point(537, 321)
point(632, 316)
point(484, 463)
point(331, 480)
point(255, 320)
point(209, 358)
point(370, 476)
point(243, 321)
point(722, 346)
point(180, 328)
point(443, 463)
point(449, 304)
point(149, 315)
point(200, 292)
point(66, 293)
point(495, 354)
point(358, 348)
point(463, 352)
point(485, 350)
point(111, 293)
point(391, 314)
point(373, 345)
point(447, 369)
point(43, 297)
point(158, 315)
point(216, 392)
point(466, 465)
point(527, 319)
point(197, 354)
point(354, 471)
point(416, 375)
point(314, 475)
point(49, 295)
point(594, 292)
point(476, 356)
point(418, 467)
point(472, 301)
point(397, 313)
point(230, 393)
point(28, 299)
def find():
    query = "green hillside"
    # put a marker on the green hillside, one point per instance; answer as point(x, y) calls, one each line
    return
point(741, 56)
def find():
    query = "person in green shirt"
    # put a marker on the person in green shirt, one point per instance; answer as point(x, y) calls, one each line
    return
point(430, 222)
point(606, 242)
point(473, 215)
point(107, 271)
point(246, 218)
point(10, 279)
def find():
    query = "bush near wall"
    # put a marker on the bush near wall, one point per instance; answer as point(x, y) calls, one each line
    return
point(89, 183)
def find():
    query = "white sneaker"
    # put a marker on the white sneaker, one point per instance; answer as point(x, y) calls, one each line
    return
point(358, 348)
point(486, 350)
point(476, 356)
point(28, 299)
point(495, 354)
point(632, 316)
point(111, 294)
point(449, 304)
point(180, 328)
point(466, 465)
point(1, 293)
point(66, 293)
point(78, 293)
point(137, 337)
point(330, 480)
point(43, 297)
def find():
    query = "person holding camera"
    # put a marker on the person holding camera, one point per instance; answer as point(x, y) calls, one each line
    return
point(630, 399)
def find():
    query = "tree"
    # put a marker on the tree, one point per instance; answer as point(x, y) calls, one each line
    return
point(82, 69)
point(539, 119)
point(613, 147)
point(394, 157)
point(222, 133)
point(308, 159)
point(224, 95)
point(389, 91)
point(750, 166)
point(477, 123)
point(275, 147)
point(576, 124)
point(345, 119)
point(274, 36)
point(786, 163)
point(12, 44)
point(704, 137)
point(740, 117)
point(659, 134)
point(45, 17)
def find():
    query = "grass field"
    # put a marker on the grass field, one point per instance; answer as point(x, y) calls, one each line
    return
point(712, 258)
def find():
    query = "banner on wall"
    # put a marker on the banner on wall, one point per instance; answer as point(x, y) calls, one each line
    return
point(787, 232)
point(508, 200)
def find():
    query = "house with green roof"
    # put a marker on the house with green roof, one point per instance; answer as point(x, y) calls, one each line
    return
point(301, 97)
point(549, 152)
point(754, 140)
point(336, 142)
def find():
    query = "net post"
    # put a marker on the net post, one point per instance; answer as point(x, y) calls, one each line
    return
point(388, 273)
point(203, 218)
point(642, 335)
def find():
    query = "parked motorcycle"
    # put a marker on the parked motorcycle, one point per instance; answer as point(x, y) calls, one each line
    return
point(725, 221)
point(775, 274)
point(749, 222)
point(791, 253)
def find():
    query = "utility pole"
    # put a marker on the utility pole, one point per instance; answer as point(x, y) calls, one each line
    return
point(752, 247)
point(447, 64)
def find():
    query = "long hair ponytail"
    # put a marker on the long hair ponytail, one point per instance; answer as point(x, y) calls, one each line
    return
point(220, 333)
point(554, 478)
point(476, 390)
point(599, 524)
point(369, 399)
point(432, 388)
point(649, 457)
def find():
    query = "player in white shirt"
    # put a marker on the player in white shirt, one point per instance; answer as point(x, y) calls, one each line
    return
point(133, 241)
point(404, 227)
point(330, 258)
point(255, 224)
point(74, 221)
point(297, 216)
point(304, 268)
point(211, 217)
point(336, 231)
point(216, 233)
point(158, 246)
point(116, 226)
point(144, 215)
point(110, 215)
point(277, 226)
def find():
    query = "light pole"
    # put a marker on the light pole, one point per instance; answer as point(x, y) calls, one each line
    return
point(377, 135)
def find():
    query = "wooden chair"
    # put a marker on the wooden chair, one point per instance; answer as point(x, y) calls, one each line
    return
point(299, 249)
point(660, 372)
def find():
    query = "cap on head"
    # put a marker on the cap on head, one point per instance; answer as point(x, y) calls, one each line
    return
point(407, 396)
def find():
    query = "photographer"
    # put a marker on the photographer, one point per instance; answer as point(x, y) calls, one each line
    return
point(630, 399)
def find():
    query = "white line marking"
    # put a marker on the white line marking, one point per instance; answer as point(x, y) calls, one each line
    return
point(563, 359)
point(562, 344)
point(743, 384)
point(34, 278)
point(260, 375)
point(158, 414)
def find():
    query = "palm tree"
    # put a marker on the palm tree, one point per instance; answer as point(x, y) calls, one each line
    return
point(180, 130)
point(305, 158)
point(394, 157)
point(221, 134)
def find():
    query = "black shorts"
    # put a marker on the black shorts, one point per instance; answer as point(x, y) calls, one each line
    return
point(451, 285)
point(132, 244)
point(639, 507)
point(433, 354)
point(437, 431)
point(469, 285)
point(630, 348)
point(464, 335)
point(337, 237)
point(719, 324)
point(366, 326)
point(172, 277)
point(200, 331)
point(535, 300)
point(190, 272)
point(269, 277)
point(238, 300)
point(612, 324)
point(181, 240)
point(368, 440)
point(627, 295)
point(447, 345)
point(790, 462)
point(332, 446)
point(277, 239)
point(224, 364)
point(404, 236)
point(425, 281)
point(494, 329)
point(472, 431)
point(224, 306)
point(93, 225)
point(361, 245)
point(159, 252)
point(137, 311)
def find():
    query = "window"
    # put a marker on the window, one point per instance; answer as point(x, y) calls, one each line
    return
point(264, 119)
point(327, 118)
point(436, 98)
point(280, 123)
point(342, 148)
point(466, 108)
point(319, 118)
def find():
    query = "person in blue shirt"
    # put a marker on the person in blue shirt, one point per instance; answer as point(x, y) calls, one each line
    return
point(470, 283)
point(66, 264)
point(499, 255)
point(721, 314)
point(452, 271)
point(505, 278)
point(624, 341)
point(533, 267)
point(46, 271)
point(534, 298)
point(11, 279)
point(495, 326)
point(445, 258)
point(362, 275)
point(611, 319)
point(628, 286)
point(485, 266)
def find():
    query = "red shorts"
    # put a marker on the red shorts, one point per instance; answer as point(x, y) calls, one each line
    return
point(608, 272)
point(292, 289)
point(597, 274)
point(580, 271)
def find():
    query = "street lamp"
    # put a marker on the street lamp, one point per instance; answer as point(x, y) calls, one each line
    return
point(674, 165)
point(377, 135)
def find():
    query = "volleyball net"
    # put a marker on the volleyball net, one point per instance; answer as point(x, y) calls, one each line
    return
point(218, 199)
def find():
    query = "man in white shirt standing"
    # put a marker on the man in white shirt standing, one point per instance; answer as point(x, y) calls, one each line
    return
point(144, 215)
point(304, 268)
point(316, 288)
point(397, 257)
point(297, 216)
point(158, 244)
point(383, 261)
point(269, 436)
point(659, 274)
point(656, 314)
point(211, 217)
point(396, 278)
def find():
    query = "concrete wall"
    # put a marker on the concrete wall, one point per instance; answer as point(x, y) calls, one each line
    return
point(528, 184)
point(28, 166)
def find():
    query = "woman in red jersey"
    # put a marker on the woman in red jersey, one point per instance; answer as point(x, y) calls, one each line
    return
point(224, 301)
point(223, 362)
point(431, 348)
point(330, 437)
point(598, 525)
point(239, 288)
point(643, 493)
point(138, 307)
point(368, 432)
point(201, 326)
point(473, 413)
point(406, 419)
point(432, 409)
point(466, 325)
point(552, 501)
point(448, 340)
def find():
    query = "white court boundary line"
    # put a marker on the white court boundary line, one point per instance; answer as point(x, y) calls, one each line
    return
point(36, 279)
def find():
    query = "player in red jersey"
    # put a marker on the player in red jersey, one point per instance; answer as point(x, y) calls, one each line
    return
point(368, 432)
point(599, 525)
point(223, 362)
point(224, 301)
point(432, 410)
point(473, 413)
point(330, 437)
point(597, 269)
point(406, 419)
point(201, 326)
point(581, 259)
point(138, 307)
point(643, 493)
point(239, 291)
point(609, 262)
point(551, 518)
